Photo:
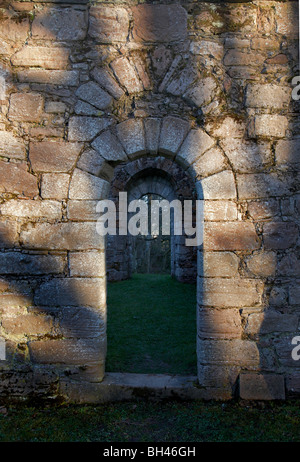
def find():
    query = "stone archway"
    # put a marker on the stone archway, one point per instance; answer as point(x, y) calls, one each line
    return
point(220, 346)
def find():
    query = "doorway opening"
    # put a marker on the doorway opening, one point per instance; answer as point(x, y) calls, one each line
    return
point(151, 296)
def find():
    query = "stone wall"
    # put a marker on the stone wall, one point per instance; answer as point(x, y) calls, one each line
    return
point(85, 86)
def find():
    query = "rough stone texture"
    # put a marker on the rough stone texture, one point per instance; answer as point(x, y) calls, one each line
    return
point(86, 186)
point(230, 236)
point(261, 387)
point(132, 138)
point(93, 94)
point(11, 146)
point(173, 132)
point(195, 144)
point(53, 156)
point(89, 90)
point(25, 107)
point(127, 75)
point(159, 23)
point(83, 128)
point(232, 292)
point(16, 179)
point(108, 24)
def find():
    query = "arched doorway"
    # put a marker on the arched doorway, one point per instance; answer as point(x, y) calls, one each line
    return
point(151, 310)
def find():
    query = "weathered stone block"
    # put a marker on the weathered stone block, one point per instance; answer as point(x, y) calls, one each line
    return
point(26, 107)
point(28, 324)
point(106, 80)
point(173, 132)
point(233, 292)
point(55, 186)
point(286, 18)
point(32, 209)
point(263, 185)
point(93, 94)
point(240, 58)
point(152, 132)
point(233, 352)
point(211, 162)
point(262, 264)
point(62, 236)
point(15, 178)
point(230, 236)
point(79, 210)
point(91, 161)
point(84, 128)
point(86, 186)
point(22, 263)
point(132, 138)
point(247, 156)
point(269, 126)
point(53, 156)
point(270, 321)
point(261, 387)
point(11, 146)
point(195, 144)
point(109, 147)
point(8, 233)
point(218, 186)
point(108, 24)
point(59, 24)
point(159, 23)
point(87, 264)
point(218, 264)
point(52, 77)
point(220, 210)
point(67, 351)
point(82, 322)
point(280, 235)
point(127, 75)
point(219, 324)
point(268, 96)
point(287, 151)
point(203, 92)
point(44, 57)
point(72, 292)
point(227, 127)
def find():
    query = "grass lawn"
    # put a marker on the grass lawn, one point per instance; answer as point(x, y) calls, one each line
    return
point(151, 326)
point(153, 422)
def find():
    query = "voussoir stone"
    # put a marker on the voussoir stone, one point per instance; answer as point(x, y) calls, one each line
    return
point(85, 128)
point(132, 138)
point(173, 132)
point(109, 147)
point(107, 81)
point(195, 144)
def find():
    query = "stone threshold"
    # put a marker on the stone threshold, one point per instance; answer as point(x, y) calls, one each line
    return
point(126, 387)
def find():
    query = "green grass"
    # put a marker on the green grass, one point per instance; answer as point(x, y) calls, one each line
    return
point(153, 422)
point(151, 326)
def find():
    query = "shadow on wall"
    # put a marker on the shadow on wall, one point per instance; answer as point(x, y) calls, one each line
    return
point(266, 172)
point(51, 314)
